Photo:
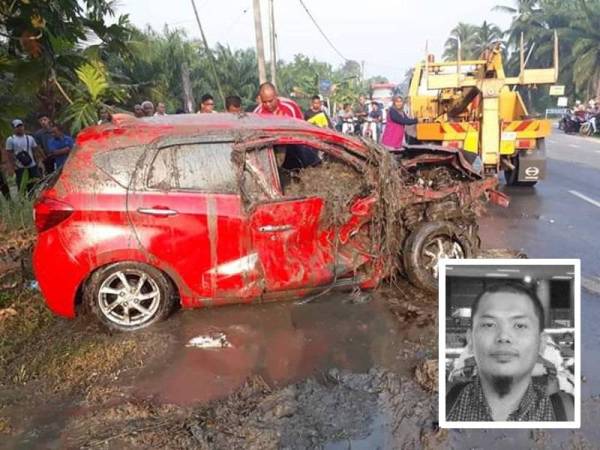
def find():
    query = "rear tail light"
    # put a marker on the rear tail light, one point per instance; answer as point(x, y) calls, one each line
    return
point(49, 212)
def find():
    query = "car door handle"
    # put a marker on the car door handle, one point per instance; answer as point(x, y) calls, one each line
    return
point(157, 211)
point(275, 228)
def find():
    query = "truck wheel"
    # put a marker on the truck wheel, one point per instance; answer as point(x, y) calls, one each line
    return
point(426, 245)
point(512, 176)
point(128, 296)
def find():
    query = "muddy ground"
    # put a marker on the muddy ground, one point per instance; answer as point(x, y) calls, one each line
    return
point(340, 372)
point(321, 375)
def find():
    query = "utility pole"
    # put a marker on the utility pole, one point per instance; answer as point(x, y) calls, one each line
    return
point(272, 40)
point(260, 47)
point(211, 58)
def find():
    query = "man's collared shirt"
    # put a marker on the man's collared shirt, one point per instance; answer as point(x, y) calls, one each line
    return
point(56, 143)
point(472, 406)
point(285, 107)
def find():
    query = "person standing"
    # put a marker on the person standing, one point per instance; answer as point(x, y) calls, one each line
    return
point(148, 108)
point(233, 104)
point(42, 136)
point(4, 188)
point(272, 103)
point(138, 111)
point(207, 104)
point(316, 114)
point(21, 147)
point(60, 146)
point(393, 135)
point(161, 109)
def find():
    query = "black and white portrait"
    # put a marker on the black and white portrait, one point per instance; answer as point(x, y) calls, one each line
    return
point(509, 342)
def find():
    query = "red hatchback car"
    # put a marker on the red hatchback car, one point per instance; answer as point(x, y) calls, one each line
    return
point(202, 210)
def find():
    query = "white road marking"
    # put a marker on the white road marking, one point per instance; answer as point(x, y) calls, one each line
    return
point(586, 198)
point(573, 145)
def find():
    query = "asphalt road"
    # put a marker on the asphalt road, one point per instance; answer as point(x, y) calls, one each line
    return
point(558, 218)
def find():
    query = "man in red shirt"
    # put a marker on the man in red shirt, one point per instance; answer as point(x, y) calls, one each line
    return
point(271, 103)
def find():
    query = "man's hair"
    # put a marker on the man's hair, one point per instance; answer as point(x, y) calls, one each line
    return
point(42, 114)
point(147, 103)
point(315, 97)
point(233, 100)
point(206, 97)
point(511, 287)
point(266, 85)
point(59, 127)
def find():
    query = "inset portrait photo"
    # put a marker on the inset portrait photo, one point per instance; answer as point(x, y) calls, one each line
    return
point(509, 343)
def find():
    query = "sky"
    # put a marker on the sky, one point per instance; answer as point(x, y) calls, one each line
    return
point(390, 36)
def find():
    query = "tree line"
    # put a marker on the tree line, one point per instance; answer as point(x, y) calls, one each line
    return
point(71, 58)
point(577, 23)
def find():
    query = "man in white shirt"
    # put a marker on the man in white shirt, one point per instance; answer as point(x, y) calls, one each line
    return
point(20, 148)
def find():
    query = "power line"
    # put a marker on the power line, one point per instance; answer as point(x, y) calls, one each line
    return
point(321, 31)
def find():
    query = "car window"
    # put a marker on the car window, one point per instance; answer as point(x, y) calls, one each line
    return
point(119, 164)
point(200, 167)
point(260, 180)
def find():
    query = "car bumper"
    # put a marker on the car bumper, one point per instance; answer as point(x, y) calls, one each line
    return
point(58, 274)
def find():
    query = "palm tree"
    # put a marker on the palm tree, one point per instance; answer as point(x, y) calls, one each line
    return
point(583, 31)
point(484, 36)
point(462, 33)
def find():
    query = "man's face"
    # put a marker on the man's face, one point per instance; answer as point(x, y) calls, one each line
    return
point(161, 108)
point(148, 110)
point(234, 109)
point(398, 103)
point(505, 336)
point(207, 106)
point(138, 111)
point(361, 99)
point(375, 106)
point(268, 98)
point(56, 132)
point(20, 130)
point(44, 121)
point(316, 104)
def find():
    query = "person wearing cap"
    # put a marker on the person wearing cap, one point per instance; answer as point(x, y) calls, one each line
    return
point(20, 148)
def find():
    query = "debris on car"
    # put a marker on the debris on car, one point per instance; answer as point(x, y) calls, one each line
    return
point(202, 210)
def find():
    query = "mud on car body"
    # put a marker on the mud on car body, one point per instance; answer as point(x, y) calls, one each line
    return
point(198, 210)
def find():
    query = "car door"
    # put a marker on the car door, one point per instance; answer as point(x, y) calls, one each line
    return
point(293, 249)
point(188, 216)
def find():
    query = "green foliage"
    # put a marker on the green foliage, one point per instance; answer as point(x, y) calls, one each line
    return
point(577, 25)
point(91, 93)
point(93, 76)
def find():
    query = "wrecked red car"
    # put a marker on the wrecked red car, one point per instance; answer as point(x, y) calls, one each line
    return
point(199, 210)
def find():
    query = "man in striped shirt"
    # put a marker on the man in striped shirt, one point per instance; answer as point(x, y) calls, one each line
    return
point(271, 103)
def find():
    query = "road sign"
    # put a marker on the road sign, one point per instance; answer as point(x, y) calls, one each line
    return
point(325, 86)
point(557, 90)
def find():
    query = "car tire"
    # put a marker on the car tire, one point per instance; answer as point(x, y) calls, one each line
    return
point(426, 245)
point(148, 297)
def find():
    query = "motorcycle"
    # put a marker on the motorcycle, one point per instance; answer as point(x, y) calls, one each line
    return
point(370, 129)
point(349, 126)
point(590, 126)
point(571, 122)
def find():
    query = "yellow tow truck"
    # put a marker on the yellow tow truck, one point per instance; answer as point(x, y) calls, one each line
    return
point(470, 105)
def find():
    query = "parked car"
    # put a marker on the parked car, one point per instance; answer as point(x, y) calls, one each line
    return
point(214, 209)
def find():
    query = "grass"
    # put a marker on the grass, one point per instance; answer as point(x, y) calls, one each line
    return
point(17, 213)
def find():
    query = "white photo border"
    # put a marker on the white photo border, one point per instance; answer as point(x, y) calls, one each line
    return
point(576, 263)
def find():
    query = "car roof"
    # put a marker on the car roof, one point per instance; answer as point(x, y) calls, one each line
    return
point(127, 130)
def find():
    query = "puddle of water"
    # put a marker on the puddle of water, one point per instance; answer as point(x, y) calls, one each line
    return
point(282, 342)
